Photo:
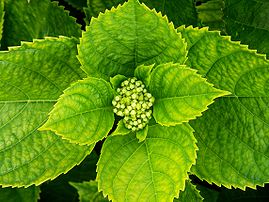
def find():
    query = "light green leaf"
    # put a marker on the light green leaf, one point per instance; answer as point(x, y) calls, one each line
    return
point(233, 134)
point(32, 77)
point(79, 4)
point(190, 194)
point(142, 134)
point(83, 114)
point(88, 192)
point(121, 129)
point(27, 21)
point(31, 194)
point(116, 80)
point(2, 13)
point(154, 170)
point(179, 12)
point(126, 37)
point(180, 94)
point(142, 72)
point(244, 20)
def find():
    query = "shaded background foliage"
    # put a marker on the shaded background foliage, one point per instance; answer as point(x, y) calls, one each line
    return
point(239, 19)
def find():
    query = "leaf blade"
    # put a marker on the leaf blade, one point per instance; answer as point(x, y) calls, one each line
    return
point(83, 114)
point(147, 174)
point(24, 21)
point(242, 118)
point(32, 77)
point(121, 46)
point(180, 94)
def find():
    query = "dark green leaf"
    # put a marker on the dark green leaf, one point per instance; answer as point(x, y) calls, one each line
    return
point(28, 20)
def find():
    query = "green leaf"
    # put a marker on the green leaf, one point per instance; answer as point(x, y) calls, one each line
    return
point(32, 77)
point(121, 129)
point(116, 80)
point(31, 194)
point(179, 12)
point(126, 37)
point(154, 170)
point(25, 21)
point(244, 20)
point(2, 13)
point(142, 72)
point(88, 192)
point(79, 4)
point(83, 114)
point(233, 134)
point(142, 134)
point(180, 94)
point(190, 194)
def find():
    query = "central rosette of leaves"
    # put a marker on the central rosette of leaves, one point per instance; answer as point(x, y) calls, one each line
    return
point(133, 102)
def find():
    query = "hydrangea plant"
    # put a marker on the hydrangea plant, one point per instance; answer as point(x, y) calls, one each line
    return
point(166, 102)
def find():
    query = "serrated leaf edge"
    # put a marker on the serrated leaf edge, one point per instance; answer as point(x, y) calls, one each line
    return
point(49, 179)
point(185, 178)
point(48, 128)
point(247, 49)
point(113, 10)
point(221, 94)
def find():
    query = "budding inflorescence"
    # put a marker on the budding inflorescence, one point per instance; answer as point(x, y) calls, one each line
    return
point(133, 102)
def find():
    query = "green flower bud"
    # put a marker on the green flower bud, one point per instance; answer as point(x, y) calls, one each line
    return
point(133, 102)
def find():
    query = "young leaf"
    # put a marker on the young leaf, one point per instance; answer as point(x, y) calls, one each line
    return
point(233, 134)
point(179, 12)
point(181, 94)
point(88, 192)
point(31, 194)
point(121, 129)
point(142, 134)
point(123, 38)
point(32, 77)
point(83, 114)
point(155, 169)
point(116, 80)
point(142, 72)
point(190, 194)
point(24, 21)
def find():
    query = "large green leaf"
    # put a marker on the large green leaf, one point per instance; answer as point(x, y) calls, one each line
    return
point(32, 77)
point(181, 94)
point(88, 192)
point(28, 20)
point(123, 38)
point(154, 170)
point(179, 12)
point(190, 194)
point(2, 13)
point(244, 20)
point(83, 114)
point(31, 194)
point(233, 134)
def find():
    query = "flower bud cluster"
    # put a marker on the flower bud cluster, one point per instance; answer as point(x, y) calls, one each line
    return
point(133, 102)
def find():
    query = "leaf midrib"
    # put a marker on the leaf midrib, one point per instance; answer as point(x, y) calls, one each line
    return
point(185, 96)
